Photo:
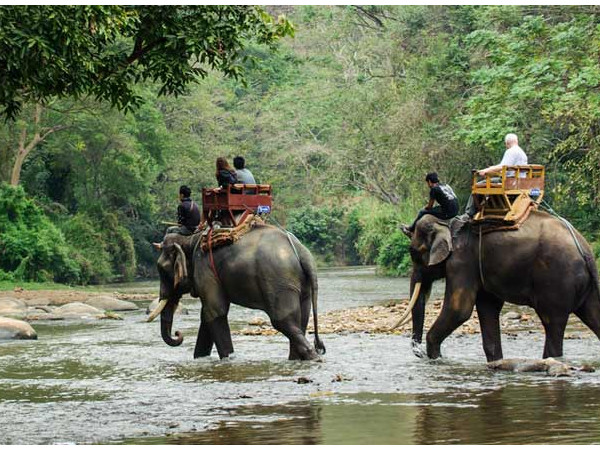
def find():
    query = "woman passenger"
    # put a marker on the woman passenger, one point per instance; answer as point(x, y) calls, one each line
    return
point(225, 173)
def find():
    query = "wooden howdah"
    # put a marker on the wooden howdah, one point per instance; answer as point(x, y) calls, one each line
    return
point(232, 205)
point(508, 198)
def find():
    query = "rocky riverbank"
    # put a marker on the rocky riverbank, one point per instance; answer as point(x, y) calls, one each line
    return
point(31, 306)
point(379, 319)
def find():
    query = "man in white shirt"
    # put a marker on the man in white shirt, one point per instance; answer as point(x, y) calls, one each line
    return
point(513, 156)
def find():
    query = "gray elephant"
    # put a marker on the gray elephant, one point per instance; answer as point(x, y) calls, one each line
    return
point(266, 269)
point(545, 264)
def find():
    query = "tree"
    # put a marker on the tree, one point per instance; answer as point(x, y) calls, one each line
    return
point(29, 136)
point(103, 51)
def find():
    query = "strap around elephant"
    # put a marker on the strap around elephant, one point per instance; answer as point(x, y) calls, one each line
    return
point(210, 256)
point(481, 260)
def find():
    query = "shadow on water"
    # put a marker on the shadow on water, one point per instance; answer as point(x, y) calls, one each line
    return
point(553, 413)
point(117, 382)
point(229, 371)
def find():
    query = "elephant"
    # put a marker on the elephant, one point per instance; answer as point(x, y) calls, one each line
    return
point(545, 264)
point(266, 269)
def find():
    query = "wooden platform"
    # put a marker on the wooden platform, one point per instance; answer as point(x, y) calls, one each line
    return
point(506, 195)
point(232, 205)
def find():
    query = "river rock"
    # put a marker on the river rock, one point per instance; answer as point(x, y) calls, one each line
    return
point(16, 329)
point(77, 310)
point(111, 303)
point(12, 307)
point(37, 301)
point(549, 365)
point(512, 315)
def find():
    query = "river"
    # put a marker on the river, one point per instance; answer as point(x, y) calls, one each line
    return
point(117, 382)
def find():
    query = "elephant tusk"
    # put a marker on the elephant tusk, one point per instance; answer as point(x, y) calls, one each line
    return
point(413, 300)
point(154, 314)
point(405, 321)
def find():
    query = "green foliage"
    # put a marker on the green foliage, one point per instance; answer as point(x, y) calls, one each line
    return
point(103, 51)
point(394, 257)
point(343, 120)
point(32, 247)
point(319, 228)
point(90, 249)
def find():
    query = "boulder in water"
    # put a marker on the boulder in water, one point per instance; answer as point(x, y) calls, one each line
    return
point(16, 329)
point(12, 307)
point(111, 304)
point(549, 365)
point(77, 310)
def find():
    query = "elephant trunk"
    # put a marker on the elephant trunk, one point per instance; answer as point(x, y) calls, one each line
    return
point(166, 323)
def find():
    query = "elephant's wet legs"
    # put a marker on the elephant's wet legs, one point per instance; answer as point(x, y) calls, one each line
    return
point(554, 325)
point(488, 311)
point(456, 310)
point(300, 348)
point(589, 313)
point(204, 342)
point(221, 335)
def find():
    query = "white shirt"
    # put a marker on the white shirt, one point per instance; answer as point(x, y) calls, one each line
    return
point(514, 156)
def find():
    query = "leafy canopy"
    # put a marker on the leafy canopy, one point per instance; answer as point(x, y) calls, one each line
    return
point(104, 51)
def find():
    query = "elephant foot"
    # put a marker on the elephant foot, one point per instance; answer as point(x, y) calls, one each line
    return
point(303, 355)
point(433, 353)
point(417, 349)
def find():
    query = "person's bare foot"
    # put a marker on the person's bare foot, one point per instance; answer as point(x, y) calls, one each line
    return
point(406, 230)
point(157, 245)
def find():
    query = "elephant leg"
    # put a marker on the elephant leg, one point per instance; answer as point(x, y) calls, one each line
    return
point(215, 307)
point(305, 307)
point(300, 348)
point(488, 310)
point(204, 342)
point(589, 313)
point(457, 308)
point(554, 325)
point(221, 335)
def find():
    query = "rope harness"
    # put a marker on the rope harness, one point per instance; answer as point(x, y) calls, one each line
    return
point(481, 260)
point(567, 224)
point(211, 259)
point(288, 234)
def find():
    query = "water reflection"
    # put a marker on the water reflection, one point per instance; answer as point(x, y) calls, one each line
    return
point(551, 413)
point(555, 412)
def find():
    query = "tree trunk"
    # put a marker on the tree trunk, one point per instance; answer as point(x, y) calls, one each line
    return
point(24, 149)
point(16, 172)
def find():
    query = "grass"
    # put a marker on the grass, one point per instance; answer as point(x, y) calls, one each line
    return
point(33, 286)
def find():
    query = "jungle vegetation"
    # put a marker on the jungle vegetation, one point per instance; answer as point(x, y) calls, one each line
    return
point(108, 110)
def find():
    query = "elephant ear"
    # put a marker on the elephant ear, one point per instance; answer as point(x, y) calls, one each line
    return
point(180, 265)
point(442, 244)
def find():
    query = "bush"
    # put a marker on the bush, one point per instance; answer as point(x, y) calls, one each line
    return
point(321, 229)
point(31, 246)
point(89, 248)
point(394, 257)
point(376, 223)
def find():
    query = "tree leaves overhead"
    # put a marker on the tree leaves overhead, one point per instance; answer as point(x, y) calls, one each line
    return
point(104, 51)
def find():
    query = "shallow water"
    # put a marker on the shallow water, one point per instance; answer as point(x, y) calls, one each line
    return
point(117, 382)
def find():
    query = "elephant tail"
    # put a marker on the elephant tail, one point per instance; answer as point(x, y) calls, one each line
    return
point(310, 270)
point(319, 346)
